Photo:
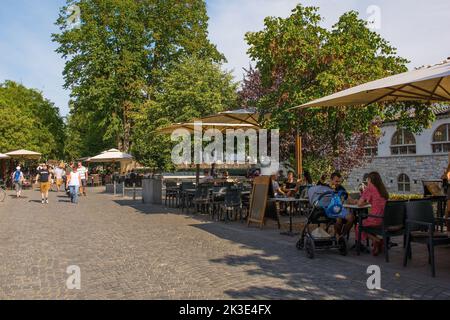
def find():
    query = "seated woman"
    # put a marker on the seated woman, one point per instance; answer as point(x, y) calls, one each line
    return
point(291, 186)
point(376, 195)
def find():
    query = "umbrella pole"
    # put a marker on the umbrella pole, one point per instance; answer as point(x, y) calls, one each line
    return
point(298, 154)
point(197, 174)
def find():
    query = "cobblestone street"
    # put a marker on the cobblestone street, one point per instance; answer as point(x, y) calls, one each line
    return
point(127, 250)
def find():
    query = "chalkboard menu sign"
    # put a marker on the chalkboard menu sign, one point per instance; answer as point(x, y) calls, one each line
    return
point(258, 203)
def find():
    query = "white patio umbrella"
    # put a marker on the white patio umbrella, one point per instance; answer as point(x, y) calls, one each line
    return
point(190, 126)
point(240, 116)
point(112, 155)
point(24, 154)
point(431, 84)
point(3, 156)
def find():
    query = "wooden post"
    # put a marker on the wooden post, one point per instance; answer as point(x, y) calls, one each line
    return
point(197, 175)
point(298, 155)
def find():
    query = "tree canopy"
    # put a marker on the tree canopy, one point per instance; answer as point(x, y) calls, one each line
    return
point(29, 121)
point(117, 57)
point(192, 88)
point(297, 61)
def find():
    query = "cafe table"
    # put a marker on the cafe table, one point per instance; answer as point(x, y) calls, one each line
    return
point(360, 212)
point(289, 202)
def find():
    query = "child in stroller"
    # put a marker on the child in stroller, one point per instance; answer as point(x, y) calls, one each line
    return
point(326, 207)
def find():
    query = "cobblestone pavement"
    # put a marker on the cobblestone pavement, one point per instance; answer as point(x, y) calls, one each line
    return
point(127, 250)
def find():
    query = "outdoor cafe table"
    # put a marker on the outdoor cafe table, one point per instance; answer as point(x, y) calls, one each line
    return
point(289, 202)
point(360, 213)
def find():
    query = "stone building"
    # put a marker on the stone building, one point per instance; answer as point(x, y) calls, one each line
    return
point(404, 159)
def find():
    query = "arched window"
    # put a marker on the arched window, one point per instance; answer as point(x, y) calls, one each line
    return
point(404, 183)
point(441, 139)
point(403, 142)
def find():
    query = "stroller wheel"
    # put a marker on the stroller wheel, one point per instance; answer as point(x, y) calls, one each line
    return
point(309, 247)
point(343, 248)
point(300, 244)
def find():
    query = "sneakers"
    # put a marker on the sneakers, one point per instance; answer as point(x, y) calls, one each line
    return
point(46, 201)
point(43, 201)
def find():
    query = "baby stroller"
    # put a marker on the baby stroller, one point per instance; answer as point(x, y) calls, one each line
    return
point(326, 207)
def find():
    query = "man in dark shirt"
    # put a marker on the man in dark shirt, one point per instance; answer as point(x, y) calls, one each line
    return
point(44, 177)
point(342, 226)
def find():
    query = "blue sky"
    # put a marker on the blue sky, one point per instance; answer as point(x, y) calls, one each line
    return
point(419, 29)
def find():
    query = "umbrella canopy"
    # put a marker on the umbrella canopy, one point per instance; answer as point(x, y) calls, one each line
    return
point(24, 154)
point(205, 126)
point(112, 155)
point(240, 116)
point(3, 156)
point(431, 84)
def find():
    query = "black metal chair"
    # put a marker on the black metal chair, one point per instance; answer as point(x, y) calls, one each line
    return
point(421, 227)
point(217, 200)
point(172, 191)
point(202, 198)
point(232, 202)
point(393, 225)
point(183, 198)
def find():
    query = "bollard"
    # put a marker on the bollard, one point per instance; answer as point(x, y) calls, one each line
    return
point(123, 189)
point(134, 191)
point(115, 187)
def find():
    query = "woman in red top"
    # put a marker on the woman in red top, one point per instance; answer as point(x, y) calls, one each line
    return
point(376, 195)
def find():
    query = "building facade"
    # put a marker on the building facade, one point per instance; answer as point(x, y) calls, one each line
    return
point(404, 159)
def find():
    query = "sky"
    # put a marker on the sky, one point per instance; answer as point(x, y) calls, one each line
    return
point(418, 29)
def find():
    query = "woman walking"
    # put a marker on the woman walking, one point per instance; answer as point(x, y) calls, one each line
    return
point(73, 184)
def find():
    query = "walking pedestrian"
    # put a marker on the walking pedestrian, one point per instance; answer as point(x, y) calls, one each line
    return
point(59, 176)
point(44, 177)
point(84, 178)
point(18, 179)
point(73, 183)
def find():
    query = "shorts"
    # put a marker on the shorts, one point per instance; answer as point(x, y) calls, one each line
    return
point(59, 182)
point(45, 187)
point(84, 183)
point(18, 186)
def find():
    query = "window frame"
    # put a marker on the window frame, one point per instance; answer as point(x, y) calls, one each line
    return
point(441, 144)
point(398, 147)
point(405, 184)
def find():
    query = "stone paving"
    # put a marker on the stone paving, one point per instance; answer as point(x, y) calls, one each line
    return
point(127, 250)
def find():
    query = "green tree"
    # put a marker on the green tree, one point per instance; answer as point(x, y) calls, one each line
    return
point(299, 61)
point(29, 121)
point(192, 88)
point(117, 56)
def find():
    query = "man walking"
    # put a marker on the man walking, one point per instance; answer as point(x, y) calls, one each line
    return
point(44, 177)
point(73, 184)
point(18, 178)
point(59, 175)
point(84, 178)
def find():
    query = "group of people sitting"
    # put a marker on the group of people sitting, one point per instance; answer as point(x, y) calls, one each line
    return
point(374, 194)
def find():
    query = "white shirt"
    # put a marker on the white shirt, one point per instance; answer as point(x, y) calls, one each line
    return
point(59, 173)
point(82, 172)
point(74, 179)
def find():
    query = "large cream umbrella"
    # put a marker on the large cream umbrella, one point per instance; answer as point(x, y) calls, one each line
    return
point(24, 154)
point(3, 156)
point(240, 116)
point(190, 126)
point(248, 121)
point(431, 84)
point(112, 155)
point(428, 85)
